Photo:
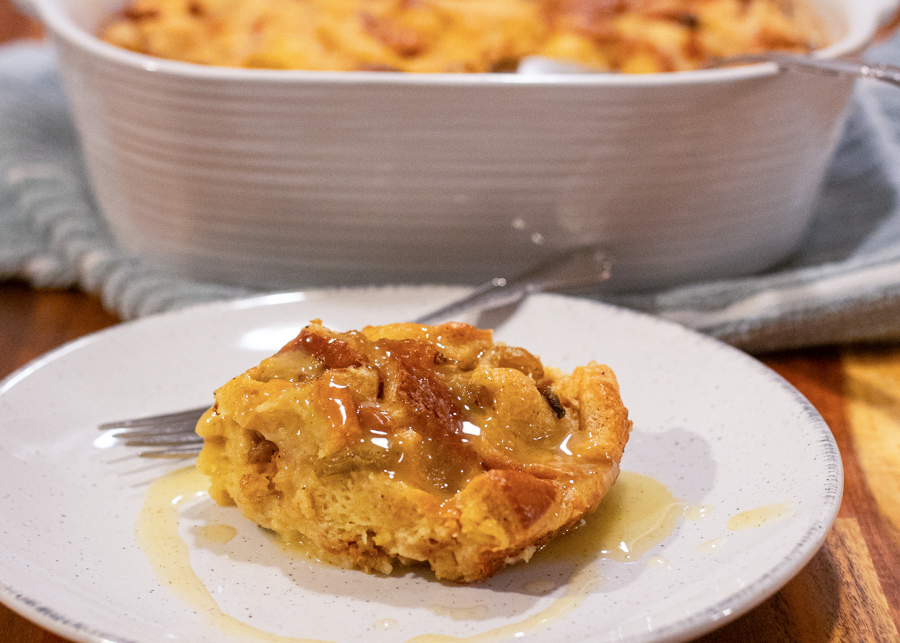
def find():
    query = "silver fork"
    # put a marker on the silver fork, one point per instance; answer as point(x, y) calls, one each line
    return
point(172, 435)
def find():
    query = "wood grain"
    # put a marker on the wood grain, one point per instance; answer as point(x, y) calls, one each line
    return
point(872, 382)
point(873, 410)
point(14, 24)
point(32, 323)
point(819, 605)
point(822, 376)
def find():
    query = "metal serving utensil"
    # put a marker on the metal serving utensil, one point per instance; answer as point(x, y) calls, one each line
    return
point(824, 66)
point(539, 65)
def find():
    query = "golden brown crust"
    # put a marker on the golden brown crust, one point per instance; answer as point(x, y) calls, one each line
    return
point(635, 36)
point(414, 443)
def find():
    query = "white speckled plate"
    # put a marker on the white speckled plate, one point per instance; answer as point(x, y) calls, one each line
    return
point(715, 426)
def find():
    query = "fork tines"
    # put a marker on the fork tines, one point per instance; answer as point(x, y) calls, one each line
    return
point(165, 423)
point(178, 451)
point(171, 434)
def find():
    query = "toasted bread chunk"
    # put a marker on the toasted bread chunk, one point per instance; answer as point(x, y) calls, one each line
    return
point(417, 444)
point(425, 36)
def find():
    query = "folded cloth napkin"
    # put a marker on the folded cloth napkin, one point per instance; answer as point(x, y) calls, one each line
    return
point(843, 285)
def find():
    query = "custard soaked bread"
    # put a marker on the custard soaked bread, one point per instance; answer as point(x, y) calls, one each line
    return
point(633, 36)
point(417, 444)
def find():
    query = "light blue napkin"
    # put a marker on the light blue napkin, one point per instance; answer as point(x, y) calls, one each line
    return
point(842, 286)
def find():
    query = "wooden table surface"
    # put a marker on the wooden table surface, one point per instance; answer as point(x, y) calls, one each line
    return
point(850, 591)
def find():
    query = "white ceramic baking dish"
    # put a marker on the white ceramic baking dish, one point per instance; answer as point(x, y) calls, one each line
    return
point(290, 178)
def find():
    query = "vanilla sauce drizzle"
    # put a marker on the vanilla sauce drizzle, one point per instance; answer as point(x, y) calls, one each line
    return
point(637, 514)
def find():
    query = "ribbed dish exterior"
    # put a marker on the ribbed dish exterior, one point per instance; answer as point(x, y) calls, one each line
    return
point(276, 183)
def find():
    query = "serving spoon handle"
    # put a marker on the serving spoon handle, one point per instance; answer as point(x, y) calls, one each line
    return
point(828, 66)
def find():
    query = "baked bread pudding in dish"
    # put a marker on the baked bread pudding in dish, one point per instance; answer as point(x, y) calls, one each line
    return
point(414, 444)
point(462, 35)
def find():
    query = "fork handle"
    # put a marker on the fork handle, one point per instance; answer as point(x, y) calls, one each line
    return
point(577, 268)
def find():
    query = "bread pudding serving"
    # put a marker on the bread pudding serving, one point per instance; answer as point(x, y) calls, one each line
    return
point(414, 444)
point(633, 36)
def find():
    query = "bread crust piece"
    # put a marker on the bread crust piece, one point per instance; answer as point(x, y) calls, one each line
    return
point(414, 444)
